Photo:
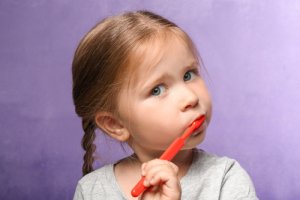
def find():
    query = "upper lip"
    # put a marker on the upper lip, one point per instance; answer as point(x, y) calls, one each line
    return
point(195, 120)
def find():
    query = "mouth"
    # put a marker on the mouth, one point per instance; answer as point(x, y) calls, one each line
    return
point(200, 129)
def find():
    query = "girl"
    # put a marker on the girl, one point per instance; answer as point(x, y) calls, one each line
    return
point(136, 77)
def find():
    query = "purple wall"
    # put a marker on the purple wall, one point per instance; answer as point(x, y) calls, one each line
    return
point(250, 49)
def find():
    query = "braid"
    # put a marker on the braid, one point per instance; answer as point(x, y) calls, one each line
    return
point(88, 145)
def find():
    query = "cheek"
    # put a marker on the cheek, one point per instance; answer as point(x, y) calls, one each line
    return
point(154, 128)
point(208, 105)
point(205, 99)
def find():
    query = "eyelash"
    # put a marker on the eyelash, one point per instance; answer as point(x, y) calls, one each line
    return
point(194, 71)
point(158, 86)
point(192, 74)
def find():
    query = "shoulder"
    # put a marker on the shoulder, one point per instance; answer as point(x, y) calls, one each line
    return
point(95, 176)
point(211, 163)
point(228, 167)
point(224, 174)
point(97, 184)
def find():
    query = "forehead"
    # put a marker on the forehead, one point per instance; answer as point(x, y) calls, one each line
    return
point(146, 55)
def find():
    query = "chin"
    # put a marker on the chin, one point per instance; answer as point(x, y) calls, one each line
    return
point(194, 141)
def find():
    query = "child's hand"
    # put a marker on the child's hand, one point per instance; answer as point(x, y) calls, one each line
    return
point(162, 177)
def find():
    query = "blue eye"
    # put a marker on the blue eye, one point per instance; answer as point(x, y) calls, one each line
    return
point(158, 90)
point(188, 76)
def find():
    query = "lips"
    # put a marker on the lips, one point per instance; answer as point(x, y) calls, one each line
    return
point(197, 132)
point(200, 129)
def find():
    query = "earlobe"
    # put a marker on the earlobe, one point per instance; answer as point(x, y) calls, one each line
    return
point(112, 126)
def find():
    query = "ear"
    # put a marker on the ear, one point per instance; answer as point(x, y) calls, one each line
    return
point(112, 126)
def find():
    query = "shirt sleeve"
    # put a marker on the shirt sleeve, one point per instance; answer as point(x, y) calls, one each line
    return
point(237, 184)
point(78, 193)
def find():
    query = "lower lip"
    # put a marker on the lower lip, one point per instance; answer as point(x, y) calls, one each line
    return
point(198, 131)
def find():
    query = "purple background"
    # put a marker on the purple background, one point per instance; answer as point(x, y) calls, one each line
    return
point(251, 50)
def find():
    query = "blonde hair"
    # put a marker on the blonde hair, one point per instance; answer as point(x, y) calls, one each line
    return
point(101, 63)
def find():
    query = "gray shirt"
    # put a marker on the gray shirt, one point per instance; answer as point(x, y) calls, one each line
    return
point(209, 178)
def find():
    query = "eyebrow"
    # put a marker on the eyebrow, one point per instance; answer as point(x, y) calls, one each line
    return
point(194, 63)
point(148, 85)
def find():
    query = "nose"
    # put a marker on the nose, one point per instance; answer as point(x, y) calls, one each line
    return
point(189, 98)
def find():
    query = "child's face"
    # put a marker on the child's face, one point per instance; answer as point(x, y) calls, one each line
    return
point(163, 100)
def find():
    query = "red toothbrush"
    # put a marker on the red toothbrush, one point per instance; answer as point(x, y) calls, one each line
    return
point(171, 151)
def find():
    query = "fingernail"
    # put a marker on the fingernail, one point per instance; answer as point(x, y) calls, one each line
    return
point(144, 165)
point(152, 181)
point(146, 183)
point(143, 169)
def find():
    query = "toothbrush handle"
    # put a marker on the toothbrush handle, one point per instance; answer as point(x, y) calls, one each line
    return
point(173, 149)
point(169, 154)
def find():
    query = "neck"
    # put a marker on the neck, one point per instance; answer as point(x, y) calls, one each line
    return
point(183, 158)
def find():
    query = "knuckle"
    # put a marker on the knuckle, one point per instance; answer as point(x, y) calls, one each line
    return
point(176, 168)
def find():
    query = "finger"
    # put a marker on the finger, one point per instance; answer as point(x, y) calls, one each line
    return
point(151, 170)
point(163, 177)
point(156, 163)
